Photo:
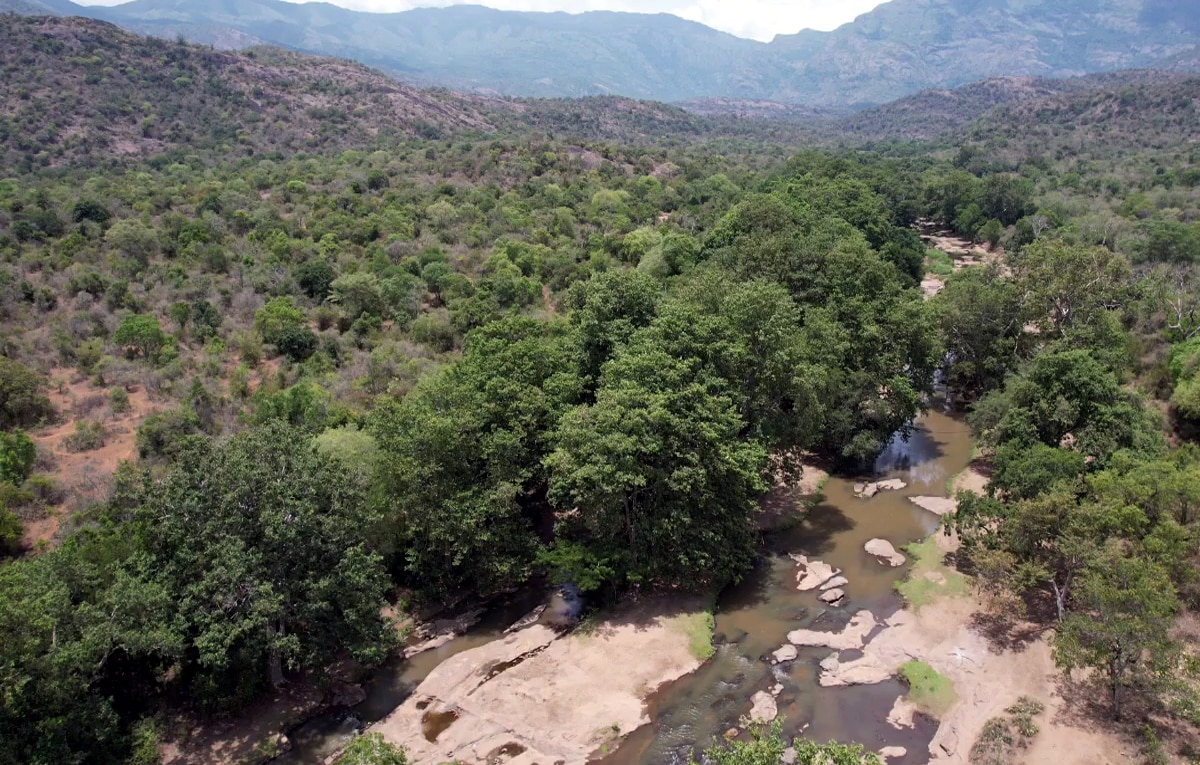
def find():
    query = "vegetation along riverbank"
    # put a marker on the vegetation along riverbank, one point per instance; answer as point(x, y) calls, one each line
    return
point(341, 419)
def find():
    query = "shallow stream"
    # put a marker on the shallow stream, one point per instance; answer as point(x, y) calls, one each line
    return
point(754, 616)
point(753, 619)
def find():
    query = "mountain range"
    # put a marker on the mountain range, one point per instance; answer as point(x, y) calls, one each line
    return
point(901, 47)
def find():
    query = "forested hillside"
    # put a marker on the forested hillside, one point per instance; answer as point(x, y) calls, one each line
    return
point(76, 91)
point(901, 47)
point(299, 369)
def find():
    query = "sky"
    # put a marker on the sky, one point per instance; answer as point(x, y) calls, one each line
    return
point(756, 19)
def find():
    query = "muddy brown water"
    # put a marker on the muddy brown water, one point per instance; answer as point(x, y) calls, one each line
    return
point(754, 616)
point(752, 620)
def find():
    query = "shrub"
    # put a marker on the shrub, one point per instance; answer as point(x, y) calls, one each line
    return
point(140, 334)
point(276, 316)
point(11, 531)
point(17, 455)
point(118, 401)
point(297, 343)
point(88, 436)
point(160, 434)
point(372, 749)
point(434, 330)
point(23, 404)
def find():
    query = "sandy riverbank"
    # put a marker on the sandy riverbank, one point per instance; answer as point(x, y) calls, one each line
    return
point(989, 671)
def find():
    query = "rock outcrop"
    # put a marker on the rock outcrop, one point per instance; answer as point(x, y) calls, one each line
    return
point(853, 636)
point(881, 548)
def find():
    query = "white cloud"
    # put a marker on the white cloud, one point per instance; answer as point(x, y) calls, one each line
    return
point(757, 19)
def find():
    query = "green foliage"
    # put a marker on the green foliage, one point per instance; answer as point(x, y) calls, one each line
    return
point(22, 403)
point(462, 454)
point(163, 434)
point(17, 455)
point(277, 316)
point(767, 747)
point(141, 335)
point(1002, 738)
point(265, 514)
point(88, 436)
point(372, 749)
point(1061, 394)
point(1122, 626)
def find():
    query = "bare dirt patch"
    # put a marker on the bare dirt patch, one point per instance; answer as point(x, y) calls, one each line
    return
point(84, 475)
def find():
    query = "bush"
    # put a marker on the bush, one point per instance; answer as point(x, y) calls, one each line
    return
point(11, 531)
point(160, 434)
point(297, 343)
point(140, 334)
point(276, 316)
point(23, 404)
point(118, 401)
point(17, 455)
point(434, 330)
point(372, 749)
point(88, 436)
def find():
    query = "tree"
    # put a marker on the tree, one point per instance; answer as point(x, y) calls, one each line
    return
point(1120, 626)
point(661, 484)
point(276, 316)
point(180, 313)
point(133, 239)
point(1070, 286)
point(266, 546)
point(22, 403)
point(607, 309)
point(982, 320)
point(140, 334)
point(298, 343)
point(315, 276)
point(1061, 394)
point(461, 473)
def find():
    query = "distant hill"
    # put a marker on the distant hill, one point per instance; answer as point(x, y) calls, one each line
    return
point(76, 90)
point(902, 47)
point(937, 113)
point(1122, 116)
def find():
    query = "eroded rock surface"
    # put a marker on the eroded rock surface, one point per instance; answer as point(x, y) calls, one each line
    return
point(881, 548)
point(854, 635)
point(936, 505)
point(812, 574)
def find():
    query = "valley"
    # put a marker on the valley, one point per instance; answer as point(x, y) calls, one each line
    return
point(349, 421)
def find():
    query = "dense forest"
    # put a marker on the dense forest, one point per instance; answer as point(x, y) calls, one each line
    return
point(443, 359)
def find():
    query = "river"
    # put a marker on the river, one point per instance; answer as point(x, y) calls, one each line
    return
point(752, 620)
point(754, 616)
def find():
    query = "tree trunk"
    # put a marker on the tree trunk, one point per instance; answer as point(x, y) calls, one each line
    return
point(275, 661)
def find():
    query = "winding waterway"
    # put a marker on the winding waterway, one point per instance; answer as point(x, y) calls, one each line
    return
point(754, 616)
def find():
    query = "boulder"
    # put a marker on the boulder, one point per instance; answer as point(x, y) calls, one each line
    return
point(868, 490)
point(786, 654)
point(892, 753)
point(812, 574)
point(837, 581)
point(936, 505)
point(881, 548)
point(763, 708)
point(346, 694)
point(836, 595)
point(790, 755)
